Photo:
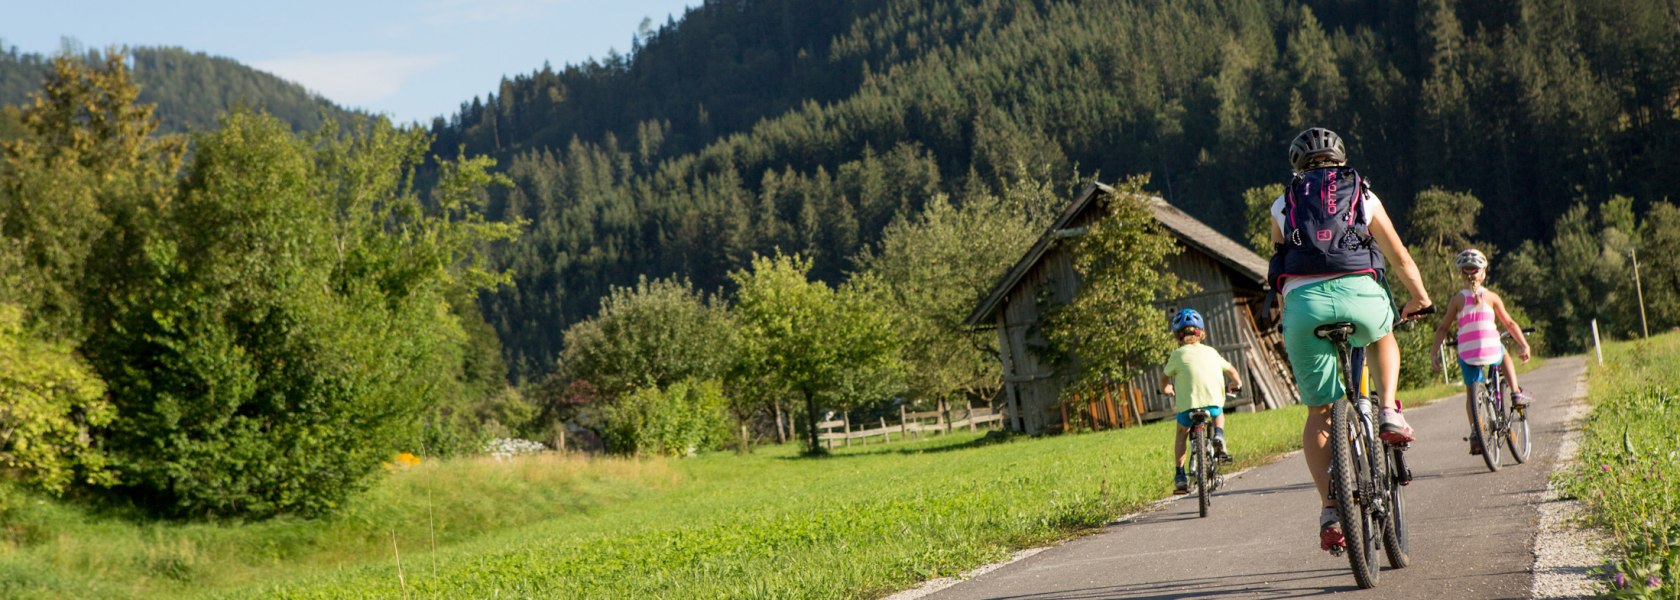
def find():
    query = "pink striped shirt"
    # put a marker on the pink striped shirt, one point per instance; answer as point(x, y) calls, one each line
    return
point(1478, 334)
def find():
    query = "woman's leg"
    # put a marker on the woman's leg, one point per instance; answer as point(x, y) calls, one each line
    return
point(1385, 360)
point(1315, 444)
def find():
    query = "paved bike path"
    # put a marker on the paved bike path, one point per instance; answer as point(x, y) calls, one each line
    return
point(1472, 530)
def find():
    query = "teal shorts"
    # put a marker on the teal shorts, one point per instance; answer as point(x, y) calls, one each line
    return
point(1358, 299)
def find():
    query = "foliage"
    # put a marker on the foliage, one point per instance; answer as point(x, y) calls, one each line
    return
point(1114, 325)
point(1628, 474)
point(49, 401)
point(805, 337)
point(938, 265)
point(269, 324)
point(751, 126)
point(1585, 273)
point(679, 420)
point(88, 163)
point(1259, 221)
point(655, 334)
point(1442, 224)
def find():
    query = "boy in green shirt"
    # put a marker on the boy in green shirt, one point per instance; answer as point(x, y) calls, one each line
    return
point(1197, 373)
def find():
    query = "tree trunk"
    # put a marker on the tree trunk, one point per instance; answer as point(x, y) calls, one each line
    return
point(811, 421)
point(781, 424)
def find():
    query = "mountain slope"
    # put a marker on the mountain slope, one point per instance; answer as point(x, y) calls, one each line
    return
point(190, 89)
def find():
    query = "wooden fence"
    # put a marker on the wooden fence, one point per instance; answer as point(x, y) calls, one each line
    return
point(909, 425)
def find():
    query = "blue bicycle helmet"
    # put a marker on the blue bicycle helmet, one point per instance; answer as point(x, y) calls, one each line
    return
point(1187, 318)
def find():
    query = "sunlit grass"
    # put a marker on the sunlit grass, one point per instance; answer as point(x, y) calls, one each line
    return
point(868, 520)
point(1629, 473)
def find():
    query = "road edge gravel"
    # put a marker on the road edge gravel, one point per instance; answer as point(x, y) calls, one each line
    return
point(1565, 550)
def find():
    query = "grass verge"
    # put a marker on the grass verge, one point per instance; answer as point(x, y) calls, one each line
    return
point(866, 521)
point(1628, 474)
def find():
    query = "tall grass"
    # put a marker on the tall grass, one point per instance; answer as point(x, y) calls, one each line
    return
point(869, 520)
point(1628, 474)
point(55, 549)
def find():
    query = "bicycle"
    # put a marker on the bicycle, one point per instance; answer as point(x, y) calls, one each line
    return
point(1367, 474)
point(1493, 418)
point(1202, 461)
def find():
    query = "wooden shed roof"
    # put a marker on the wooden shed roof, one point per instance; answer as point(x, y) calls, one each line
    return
point(1187, 229)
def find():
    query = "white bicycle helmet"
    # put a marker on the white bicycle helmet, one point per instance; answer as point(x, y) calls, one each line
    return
point(1471, 257)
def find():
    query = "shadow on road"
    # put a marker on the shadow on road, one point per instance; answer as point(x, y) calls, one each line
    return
point(1212, 587)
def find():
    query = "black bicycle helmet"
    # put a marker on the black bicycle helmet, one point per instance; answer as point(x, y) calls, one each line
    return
point(1316, 146)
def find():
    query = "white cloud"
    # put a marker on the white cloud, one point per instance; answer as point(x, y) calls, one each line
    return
point(351, 78)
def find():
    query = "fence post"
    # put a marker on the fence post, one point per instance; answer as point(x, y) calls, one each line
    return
point(903, 428)
point(945, 413)
point(886, 434)
point(1596, 347)
point(846, 420)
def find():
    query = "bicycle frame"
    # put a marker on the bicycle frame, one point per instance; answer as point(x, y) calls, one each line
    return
point(1366, 472)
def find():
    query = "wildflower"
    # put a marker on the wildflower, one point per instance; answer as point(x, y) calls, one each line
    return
point(1620, 579)
point(1653, 582)
point(1605, 468)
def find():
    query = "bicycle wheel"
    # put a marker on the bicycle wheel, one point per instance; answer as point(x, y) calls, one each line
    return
point(1348, 464)
point(1484, 420)
point(1394, 524)
point(1516, 424)
point(1199, 450)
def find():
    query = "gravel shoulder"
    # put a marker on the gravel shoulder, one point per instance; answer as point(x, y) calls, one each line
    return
point(1566, 551)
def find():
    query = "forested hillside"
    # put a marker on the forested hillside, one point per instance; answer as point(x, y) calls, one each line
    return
point(752, 125)
point(191, 89)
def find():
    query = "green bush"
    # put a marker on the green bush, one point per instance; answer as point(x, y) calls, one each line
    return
point(286, 326)
point(48, 400)
point(680, 420)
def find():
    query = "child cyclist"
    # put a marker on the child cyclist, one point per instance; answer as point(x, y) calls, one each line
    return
point(1479, 312)
point(1197, 373)
point(1332, 241)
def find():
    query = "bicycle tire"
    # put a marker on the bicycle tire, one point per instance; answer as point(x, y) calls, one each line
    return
point(1345, 477)
point(1516, 425)
point(1199, 450)
point(1482, 423)
point(1395, 535)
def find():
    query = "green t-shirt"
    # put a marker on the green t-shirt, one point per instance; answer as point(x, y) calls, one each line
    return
point(1198, 373)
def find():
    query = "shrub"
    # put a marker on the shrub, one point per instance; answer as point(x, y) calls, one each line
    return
point(48, 400)
point(680, 420)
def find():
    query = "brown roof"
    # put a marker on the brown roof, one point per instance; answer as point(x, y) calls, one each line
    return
point(1186, 228)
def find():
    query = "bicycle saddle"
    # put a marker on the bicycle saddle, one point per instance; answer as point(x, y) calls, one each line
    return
point(1331, 330)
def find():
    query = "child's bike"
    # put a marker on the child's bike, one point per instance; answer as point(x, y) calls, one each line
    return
point(1367, 474)
point(1495, 416)
point(1203, 460)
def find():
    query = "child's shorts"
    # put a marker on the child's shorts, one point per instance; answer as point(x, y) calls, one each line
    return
point(1184, 417)
point(1473, 373)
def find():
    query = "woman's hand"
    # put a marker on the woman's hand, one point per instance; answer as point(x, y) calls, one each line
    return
point(1415, 308)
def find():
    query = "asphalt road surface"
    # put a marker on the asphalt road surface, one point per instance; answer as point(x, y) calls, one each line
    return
point(1472, 531)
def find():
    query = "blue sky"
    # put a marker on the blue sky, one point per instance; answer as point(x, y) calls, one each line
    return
point(411, 60)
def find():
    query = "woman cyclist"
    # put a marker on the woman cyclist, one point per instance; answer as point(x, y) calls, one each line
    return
point(1332, 241)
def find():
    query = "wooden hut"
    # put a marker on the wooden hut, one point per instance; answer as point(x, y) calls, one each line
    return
point(1230, 278)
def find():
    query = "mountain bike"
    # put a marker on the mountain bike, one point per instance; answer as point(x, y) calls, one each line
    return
point(1203, 462)
point(1367, 474)
point(1494, 416)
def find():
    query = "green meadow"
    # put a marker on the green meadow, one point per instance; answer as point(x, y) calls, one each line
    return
point(866, 521)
